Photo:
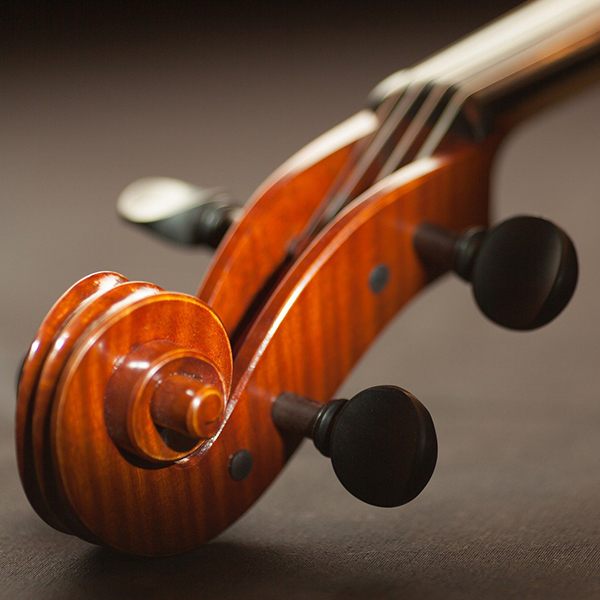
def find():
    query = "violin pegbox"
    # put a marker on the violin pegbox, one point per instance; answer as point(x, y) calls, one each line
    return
point(122, 378)
point(132, 431)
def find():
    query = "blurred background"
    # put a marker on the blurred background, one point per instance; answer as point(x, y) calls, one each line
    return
point(97, 94)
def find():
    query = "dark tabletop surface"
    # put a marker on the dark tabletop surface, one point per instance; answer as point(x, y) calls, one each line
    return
point(89, 105)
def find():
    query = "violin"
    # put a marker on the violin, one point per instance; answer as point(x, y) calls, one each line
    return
point(148, 421)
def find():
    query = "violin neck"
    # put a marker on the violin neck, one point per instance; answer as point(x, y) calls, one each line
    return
point(551, 50)
point(512, 67)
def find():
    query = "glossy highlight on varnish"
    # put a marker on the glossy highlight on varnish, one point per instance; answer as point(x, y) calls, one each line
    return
point(148, 421)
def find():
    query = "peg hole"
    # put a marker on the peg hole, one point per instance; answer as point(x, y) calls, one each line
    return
point(379, 278)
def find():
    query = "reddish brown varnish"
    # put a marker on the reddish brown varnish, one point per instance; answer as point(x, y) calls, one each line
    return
point(115, 362)
point(99, 490)
point(278, 212)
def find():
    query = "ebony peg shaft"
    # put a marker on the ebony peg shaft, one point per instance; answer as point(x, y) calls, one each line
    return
point(178, 211)
point(523, 270)
point(382, 442)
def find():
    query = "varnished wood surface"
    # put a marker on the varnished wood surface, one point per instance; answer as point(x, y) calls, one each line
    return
point(511, 509)
point(107, 497)
point(278, 211)
point(324, 307)
point(146, 493)
point(26, 436)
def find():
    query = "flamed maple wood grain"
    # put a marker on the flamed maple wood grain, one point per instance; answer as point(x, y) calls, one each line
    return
point(305, 336)
point(81, 397)
point(278, 211)
point(171, 509)
point(27, 396)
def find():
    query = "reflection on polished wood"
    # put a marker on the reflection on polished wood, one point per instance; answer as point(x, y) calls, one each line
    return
point(132, 401)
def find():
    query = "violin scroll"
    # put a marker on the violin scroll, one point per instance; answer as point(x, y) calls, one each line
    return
point(165, 399)
point(137, 378)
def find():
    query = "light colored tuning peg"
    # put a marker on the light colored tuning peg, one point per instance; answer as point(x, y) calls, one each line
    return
point(178, 211)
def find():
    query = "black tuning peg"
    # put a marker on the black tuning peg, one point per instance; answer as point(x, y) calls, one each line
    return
point(382, 442)
point(523, 270)
point(178, 211)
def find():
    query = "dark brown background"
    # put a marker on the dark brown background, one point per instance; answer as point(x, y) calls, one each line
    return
point(221, 95)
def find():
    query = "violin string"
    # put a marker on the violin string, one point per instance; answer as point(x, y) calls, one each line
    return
point(455, 105)
point(345, 186)
point(417, 126)
point(389, 129)
point(369, 149)
point(397, 101)
point(494, 54)
point(391, 117)
point(492, 46)
point(512, 58)
point(403, 89)
point(415, 81)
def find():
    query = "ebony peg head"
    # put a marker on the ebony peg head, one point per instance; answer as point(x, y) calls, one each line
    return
point(382, 442)
point(178, 211)
point(523, 270)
